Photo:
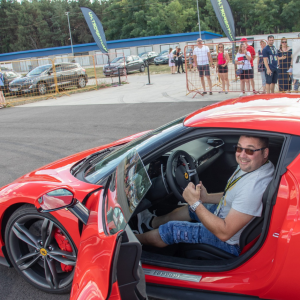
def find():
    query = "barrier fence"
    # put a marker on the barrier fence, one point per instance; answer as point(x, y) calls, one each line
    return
point(285, 82)
point(50, 78)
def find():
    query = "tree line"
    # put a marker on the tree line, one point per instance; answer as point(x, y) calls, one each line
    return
point(40, 24)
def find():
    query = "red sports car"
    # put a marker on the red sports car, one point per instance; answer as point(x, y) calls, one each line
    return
point(69, 225)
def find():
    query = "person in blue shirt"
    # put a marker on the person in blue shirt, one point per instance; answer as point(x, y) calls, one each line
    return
point(270, 56)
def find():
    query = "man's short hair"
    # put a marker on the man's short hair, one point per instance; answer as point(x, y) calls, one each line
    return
point(264, 141)
point(270, 36)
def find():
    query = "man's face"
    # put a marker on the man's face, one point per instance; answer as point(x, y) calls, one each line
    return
point(271, 41)
point(199, 42)
point(249, 163)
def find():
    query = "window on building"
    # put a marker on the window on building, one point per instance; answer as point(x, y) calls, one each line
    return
point(168, 46)
point(144, 49)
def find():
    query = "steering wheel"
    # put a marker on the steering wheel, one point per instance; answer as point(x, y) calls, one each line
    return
point(181, 170)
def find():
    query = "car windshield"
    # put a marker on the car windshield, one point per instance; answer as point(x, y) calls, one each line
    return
point(118, 59)
point(155, 138)
point(162, 53)
point(144, 54)
point(129, 184)
point(38, 70)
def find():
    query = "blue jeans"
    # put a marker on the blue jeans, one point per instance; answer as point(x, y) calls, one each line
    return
point(175, 232)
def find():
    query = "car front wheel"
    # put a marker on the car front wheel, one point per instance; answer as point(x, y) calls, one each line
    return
point(42, 88)
point(41, 250)
point(81, 82)
point(142, 68)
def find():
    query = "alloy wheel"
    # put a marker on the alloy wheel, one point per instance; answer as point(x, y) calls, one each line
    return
point(81, 82)
point(35, 253)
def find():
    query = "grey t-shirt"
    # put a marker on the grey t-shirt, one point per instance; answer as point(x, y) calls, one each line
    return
point(246, 195)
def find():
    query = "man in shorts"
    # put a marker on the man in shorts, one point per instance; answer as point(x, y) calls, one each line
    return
point(233, 209)
point(252, 52)
point(270, 55)
point(202, 58)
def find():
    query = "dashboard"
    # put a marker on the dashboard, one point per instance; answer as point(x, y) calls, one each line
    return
point(204, 151)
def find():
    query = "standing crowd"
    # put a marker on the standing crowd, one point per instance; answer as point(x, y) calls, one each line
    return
point(274, 65)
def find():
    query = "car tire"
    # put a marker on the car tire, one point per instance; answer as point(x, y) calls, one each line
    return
point(34, 252)
point(81, 82)
point(142, 68)
point(42, 88)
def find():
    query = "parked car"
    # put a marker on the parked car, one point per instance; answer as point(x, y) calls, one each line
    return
point(124, 65)
point(8, 75)
point(148, 57)
point(162, 58)
point(41, 79)
point(91, 245)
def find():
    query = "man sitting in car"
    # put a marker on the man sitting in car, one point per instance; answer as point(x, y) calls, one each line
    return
point(232, 210)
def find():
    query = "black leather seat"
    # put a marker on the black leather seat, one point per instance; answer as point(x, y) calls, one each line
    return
point(208, 252)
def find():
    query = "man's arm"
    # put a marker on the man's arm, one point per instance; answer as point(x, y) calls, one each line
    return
point(269, 72)
point(195, 60)
point(210, 58)
point(209, 198)
point(223, 229)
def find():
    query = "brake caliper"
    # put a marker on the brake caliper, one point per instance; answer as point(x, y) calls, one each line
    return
point(64, 245)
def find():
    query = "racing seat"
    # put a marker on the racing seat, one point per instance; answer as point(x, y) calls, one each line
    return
point(247, 239)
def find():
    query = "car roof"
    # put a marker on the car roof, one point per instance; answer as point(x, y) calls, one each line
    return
point(269, 112)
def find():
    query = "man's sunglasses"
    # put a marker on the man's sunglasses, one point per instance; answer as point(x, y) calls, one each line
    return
point(248, 151)
point(283, 42)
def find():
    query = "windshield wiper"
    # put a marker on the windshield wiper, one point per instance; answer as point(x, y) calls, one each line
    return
point(89, 159)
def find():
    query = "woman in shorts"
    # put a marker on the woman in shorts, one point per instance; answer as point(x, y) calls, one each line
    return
point(242, 60)
point(171, 61)
point(222, 68)
point(2, 98)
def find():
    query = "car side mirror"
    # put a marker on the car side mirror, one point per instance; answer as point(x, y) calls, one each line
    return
point(63, 199)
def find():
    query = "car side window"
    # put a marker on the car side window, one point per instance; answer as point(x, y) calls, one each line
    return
point(136, 58)
point(129, 59)
point(58, 68)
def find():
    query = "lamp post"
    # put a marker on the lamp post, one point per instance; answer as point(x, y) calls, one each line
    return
point(198, 19)
point(67, 13)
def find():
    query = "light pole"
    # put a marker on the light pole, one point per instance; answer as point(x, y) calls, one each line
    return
point(67, 13)
point(198, 19)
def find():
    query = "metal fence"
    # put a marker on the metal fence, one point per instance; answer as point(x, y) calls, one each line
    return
point(285, 82)
point(45, 78)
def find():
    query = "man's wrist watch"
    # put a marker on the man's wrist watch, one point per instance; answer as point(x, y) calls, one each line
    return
point(195, 205)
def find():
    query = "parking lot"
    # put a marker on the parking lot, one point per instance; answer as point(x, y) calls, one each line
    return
point(35, 134)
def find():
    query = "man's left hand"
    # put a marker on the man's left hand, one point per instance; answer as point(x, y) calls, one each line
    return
point(191, 194)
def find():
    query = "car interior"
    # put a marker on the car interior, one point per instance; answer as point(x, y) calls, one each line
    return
point(213, 157)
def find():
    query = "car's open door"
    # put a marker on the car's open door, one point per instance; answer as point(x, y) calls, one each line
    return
point(108, 265)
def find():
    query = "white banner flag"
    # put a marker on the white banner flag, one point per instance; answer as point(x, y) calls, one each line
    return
point(296, 59)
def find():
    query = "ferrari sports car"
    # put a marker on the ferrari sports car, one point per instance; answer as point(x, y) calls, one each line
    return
point(70, 226)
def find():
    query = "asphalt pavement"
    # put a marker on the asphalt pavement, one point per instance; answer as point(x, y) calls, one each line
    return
point(35, 134)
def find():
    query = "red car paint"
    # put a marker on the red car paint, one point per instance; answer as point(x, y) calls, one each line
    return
point(271, 273)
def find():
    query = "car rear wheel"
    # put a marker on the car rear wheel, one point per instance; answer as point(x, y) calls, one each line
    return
point(142, 68)
point(41, 250)
point(42, 88)
point(81, 82)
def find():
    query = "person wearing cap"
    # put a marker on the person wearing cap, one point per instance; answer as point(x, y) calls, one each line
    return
point(252, 52)
point(203, 59)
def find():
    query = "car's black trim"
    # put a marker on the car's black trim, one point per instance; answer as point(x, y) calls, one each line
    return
point(225, 265)
point(176, 293)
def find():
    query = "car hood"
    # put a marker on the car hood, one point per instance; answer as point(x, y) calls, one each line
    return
point(23, 79)
point(163, 56)
point(112, 65)
point(54, 175)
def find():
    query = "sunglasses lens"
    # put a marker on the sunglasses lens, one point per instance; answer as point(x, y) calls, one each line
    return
point(249, 151)
point(238, 149)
